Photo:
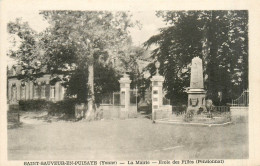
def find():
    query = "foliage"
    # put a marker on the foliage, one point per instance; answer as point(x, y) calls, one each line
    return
point(76, 36)
point(201, 109)
point(189, 115)
point(65, 107)
point(179, 110)
point(220, 38)
point(29, 52)
point(34, 105)
point(74, 41)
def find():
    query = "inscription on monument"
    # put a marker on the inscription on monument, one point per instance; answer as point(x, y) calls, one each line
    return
point(196, 91)
point(196, 81)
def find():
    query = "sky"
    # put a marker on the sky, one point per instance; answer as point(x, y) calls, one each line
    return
point(150, 26)
point(149, 21)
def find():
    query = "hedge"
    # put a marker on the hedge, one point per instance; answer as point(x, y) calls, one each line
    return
point(34, 105)
point(66, 107)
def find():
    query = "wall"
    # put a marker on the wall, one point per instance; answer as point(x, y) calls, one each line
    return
point(29, 90)
point(118, 112)
point(164, 112)
point(239, 114)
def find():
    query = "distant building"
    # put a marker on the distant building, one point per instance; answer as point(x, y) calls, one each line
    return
point(41, 88)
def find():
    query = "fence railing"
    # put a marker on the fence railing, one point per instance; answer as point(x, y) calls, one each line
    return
point(242, 100)
point(166, 101)
point(179, 110)
point(116, 97)
point(222, 108)
point(133, 97)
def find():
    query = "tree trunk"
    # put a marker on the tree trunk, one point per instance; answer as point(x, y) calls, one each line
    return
point(90, 114)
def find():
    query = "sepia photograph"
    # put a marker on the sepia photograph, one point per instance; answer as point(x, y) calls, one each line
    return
point(145, 87)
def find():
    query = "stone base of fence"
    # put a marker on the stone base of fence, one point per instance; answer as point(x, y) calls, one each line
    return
point(164, 112)
point(13, 115)
point(118, 112)
point(80, 110)
point(239, 114)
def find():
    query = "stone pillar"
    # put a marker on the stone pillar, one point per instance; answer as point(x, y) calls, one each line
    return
point(62, 92)
point(125, 92)
point(27, 89)
point(196, 92)
point(9, 91)
point(18, 90)
point(57, 91)
point(31, 86)
point(157, 91)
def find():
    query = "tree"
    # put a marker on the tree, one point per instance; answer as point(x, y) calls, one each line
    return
point(29, 52)
point(220, 38)
point(75, 41)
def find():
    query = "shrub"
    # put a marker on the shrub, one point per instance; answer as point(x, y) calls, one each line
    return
point(200, 111)
point(179, 110)
point(189, 115)
point(34, 105)
point(209, 115)
point(66, 107)
point(147, 108)
point(13, 108)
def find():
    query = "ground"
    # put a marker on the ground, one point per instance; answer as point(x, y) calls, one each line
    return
point(130, 139)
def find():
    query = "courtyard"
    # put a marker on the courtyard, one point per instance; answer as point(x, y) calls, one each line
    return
point(130, 139)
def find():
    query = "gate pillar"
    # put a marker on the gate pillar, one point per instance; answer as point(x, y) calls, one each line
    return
point(157, 91)
point(125, 92)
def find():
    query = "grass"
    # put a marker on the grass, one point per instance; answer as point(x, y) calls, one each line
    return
point(130, 139)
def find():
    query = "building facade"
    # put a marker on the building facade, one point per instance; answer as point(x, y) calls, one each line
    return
point(41, 88)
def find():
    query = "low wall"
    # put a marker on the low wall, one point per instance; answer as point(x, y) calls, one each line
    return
point(239, 114)
point(118, 111)
point(163, 112)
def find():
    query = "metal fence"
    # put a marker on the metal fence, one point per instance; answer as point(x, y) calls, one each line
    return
point(111, 98)
point(133, 97)
point(166, 101)
point(242, 100)
point(107, 98)
point(179, 110)
point(222, 108)
point(116, 98)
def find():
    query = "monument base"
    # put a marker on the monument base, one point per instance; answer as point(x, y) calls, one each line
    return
point(196, 99)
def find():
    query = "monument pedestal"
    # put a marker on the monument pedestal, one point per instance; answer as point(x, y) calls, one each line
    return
point(196, 92)
point(196, 99)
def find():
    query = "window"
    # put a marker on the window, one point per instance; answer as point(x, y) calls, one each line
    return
point(43, 91)
point(155, 92)
point(13, 93)
point(35, 92)
point(23, 91)
point(52, 94)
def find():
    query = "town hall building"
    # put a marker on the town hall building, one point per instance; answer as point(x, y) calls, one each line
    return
point(41, 88)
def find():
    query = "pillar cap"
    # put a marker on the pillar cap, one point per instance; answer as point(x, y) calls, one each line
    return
point(125, 80)
point(157, 78)
point(193, 90)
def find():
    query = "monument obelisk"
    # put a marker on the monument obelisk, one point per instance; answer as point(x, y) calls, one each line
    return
point(196, 91)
